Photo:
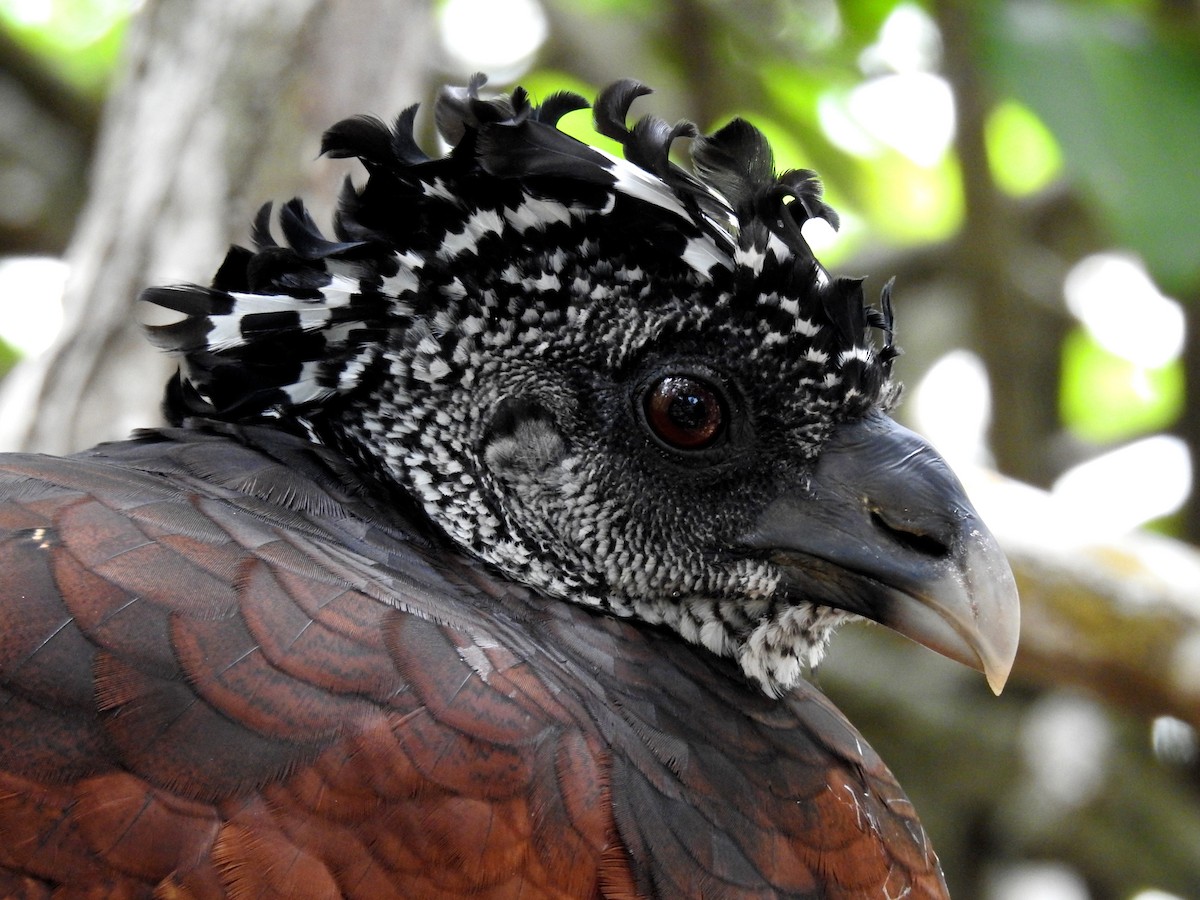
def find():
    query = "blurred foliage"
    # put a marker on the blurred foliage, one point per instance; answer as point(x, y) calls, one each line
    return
point(1106, 398)
point(1107, 82)
point(8, 356)
point(1120, 90)
point(78, 40)
point(56, 60)
point(1022, 152)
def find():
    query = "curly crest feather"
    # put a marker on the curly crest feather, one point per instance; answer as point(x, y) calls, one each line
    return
point(294, 326)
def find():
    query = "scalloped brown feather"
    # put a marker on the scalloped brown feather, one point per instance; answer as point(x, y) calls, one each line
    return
point(227, 672)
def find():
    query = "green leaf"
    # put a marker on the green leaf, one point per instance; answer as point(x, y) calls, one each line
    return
point(863, 18)
point(1022, 153)
point(1123, 102)
point(78, 39)
point(1105, 398)
point(911, 204)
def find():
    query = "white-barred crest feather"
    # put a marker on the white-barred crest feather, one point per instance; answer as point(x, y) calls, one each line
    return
point(283, 326)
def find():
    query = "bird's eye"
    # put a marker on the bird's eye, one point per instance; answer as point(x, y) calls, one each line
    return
point(684, 412)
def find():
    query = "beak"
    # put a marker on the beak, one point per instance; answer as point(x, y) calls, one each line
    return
point(884, 529)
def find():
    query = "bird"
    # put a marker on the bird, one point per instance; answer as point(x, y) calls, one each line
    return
point(488, 545)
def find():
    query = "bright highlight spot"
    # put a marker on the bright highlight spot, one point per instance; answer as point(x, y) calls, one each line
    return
point(1119, 304)
point(1038, 881)
point(1066, 743)
point(952, 407)
point(1129, 486)
point(498, 37)
point(30, 12)
point(909, 41)
point(68, 22)
point(912, 114)
point(1173, 740)
point(819, 234)
point(902, 104)
point(31, 290)
point(843, 129)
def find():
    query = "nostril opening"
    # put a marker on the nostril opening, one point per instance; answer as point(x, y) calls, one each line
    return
point(918, 542)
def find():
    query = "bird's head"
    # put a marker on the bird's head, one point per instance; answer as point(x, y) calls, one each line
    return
point(620, 383)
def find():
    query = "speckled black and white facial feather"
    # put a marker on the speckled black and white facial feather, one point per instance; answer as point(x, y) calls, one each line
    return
point(499, 333)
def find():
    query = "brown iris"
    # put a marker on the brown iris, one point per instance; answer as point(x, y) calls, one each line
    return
point(684, 412)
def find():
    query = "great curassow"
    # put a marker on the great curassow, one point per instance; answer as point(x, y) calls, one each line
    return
point(488, 546)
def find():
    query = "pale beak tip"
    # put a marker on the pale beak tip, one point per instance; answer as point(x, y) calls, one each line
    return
point(997, 677)
point(998, 652)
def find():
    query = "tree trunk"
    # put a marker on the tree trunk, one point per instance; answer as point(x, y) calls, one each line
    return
point(219, 106)
point(1017, 336)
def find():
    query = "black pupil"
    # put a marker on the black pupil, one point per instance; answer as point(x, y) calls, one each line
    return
point(689, 411)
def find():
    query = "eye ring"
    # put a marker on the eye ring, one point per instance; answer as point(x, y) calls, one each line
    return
point(685, 412)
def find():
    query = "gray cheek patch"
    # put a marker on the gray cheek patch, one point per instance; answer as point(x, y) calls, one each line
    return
point(532, 447)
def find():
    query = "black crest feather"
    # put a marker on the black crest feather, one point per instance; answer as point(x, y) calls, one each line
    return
point(296, 324)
